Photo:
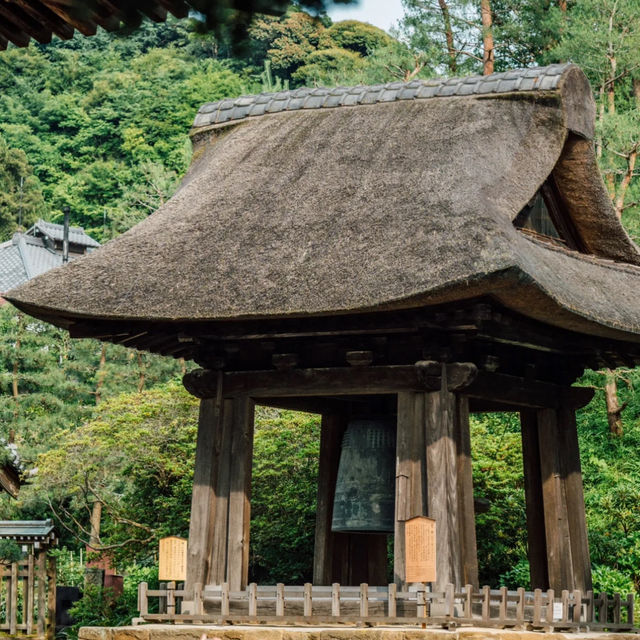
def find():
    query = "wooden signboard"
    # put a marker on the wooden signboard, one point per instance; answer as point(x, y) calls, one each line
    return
point(173, 559)
point(420, 545)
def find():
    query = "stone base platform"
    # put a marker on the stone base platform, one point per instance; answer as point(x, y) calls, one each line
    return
point(210, 632)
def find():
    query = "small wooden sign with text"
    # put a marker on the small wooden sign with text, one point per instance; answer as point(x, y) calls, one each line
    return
point(172, 559)
point(420, 545)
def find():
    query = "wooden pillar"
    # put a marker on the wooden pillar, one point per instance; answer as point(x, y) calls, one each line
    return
point(442, 478)
point(331, 432)
point(218, 548)
point(411, 474)
point(554, 490)
point(240, 493)
point(536, 542)
point(466, 508)
point(433, 477)
point(575, 500)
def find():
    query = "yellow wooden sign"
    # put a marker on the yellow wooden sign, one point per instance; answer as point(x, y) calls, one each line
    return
point(172, 559)
point(420, 546)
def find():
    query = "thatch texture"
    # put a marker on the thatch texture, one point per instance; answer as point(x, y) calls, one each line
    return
point(401, 203)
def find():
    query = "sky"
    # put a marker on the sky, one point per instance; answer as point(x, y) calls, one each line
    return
point(381, 13)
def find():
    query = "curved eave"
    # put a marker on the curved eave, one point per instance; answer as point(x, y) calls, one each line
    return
point(542, 287)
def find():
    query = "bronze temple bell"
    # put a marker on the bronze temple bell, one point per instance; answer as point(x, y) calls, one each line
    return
point(365, 487)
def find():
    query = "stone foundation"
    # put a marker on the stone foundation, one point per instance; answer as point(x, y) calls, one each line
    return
point(206, 632)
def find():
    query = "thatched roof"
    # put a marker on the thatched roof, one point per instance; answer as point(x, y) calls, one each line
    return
point(365, 199)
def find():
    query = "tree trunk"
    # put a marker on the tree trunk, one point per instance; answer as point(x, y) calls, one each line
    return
point(614, 408)
point(563, 5)
point(96, 517)
point(626, 180)
point(488, 55)
point(101, 373)
point(448, 32)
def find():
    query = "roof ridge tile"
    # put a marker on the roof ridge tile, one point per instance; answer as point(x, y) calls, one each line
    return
point(529, 79)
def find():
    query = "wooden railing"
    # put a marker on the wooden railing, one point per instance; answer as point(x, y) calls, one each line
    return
point(27, 607)
point(543, 610)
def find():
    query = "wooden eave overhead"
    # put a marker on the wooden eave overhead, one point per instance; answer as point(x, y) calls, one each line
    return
point(24, 20)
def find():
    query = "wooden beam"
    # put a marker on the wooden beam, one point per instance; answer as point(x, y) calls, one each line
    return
point(536, 542)
point(519, 392)
point(329, 381)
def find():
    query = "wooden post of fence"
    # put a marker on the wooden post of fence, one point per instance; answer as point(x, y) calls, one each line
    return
point(171, 599)
point(307, 605)
point(630, 604)
point(549, 613)
point(42, 592)
point(421, 603)
point(577, 606)
point(537, 607)
point(603, 606)
point(364, 600)
point(503, 604)
point(590, 607)
point(143, 602)
point(23, 567)
point(162, 600)
point(486, 603)
point(520, 606)
point(253, 599)
point(224, 599)
point(449, 593)
point(468, 601)
point(565, 605)
point(280, 599)
point(335, 599)
point(13, 610)
point(51, 597)
point(391, 600)
point(617, 601)
point(29, 592)
point(198, 604)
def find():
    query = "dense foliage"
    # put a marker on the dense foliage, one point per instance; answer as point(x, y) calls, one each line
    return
point(100, 124)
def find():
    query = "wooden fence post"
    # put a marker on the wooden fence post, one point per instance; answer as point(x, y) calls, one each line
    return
point(29, 592)
point(51, 598)
point(335, 599)
point(42, 592)
point(171, 599)
point(224, 599)
point(486, 603)
point(280, 599)
point(308, 603)
point(520, 606)
point(391, 600)
point(162, 600)
point(253, 599)
point(603, 606)
point(143, 600)
point(13, 611)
